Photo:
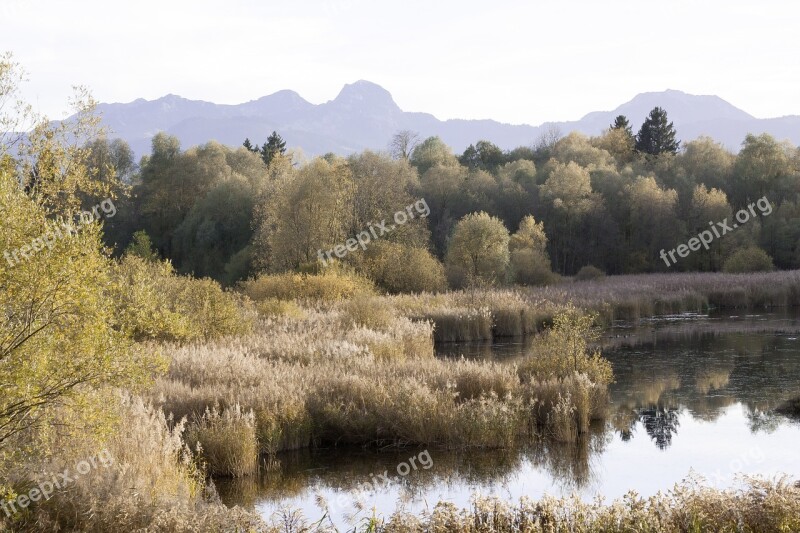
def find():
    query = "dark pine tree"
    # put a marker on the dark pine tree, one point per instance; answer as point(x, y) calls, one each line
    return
point(247, 144)
point(621, 123)
point(657, 135)
point(275, 145)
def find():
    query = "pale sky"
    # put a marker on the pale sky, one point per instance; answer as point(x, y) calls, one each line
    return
point(513, 61)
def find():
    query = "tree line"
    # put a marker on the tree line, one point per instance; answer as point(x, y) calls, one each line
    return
point(612, 201)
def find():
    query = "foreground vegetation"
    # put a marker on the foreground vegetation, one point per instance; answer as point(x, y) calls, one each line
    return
point(758, 507)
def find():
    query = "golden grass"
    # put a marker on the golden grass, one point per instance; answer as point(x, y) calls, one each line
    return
point(761, 506)
point(361, 373)
point(464, 316)
point(636, 296)
point(330, 286)
point(355, 368)
point(226, 441)
point(151, 484)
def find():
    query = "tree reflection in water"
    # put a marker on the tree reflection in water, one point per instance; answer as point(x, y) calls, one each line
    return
point(660, 423)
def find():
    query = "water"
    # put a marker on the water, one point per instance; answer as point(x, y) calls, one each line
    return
point(694, 395)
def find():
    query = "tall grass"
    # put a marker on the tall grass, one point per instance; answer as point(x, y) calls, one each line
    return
point(465, 316)
point(636, 296)
point(760, 506)
point(347, 374)
point(151, 484)
point(492, 313)
point(226, 441)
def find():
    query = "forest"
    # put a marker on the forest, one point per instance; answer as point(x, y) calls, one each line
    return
point(611, 202)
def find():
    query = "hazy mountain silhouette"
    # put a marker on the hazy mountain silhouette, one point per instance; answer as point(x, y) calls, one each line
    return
point(364, 115)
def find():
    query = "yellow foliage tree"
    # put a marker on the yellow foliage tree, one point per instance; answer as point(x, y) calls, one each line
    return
point(58, 346)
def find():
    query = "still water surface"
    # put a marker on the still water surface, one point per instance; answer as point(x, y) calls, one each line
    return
point(693, 394)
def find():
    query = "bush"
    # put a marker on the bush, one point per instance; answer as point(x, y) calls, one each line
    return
point(531, 267)
point(564, 351)
point(330, 286)
point(402, 269)
point(750, 259)
point(589, 273)
point(153, 303)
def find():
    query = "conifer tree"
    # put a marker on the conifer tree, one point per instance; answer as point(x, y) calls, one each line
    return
point(621, 123)
point(657, 135)
point(275, 145)
point(247, 144)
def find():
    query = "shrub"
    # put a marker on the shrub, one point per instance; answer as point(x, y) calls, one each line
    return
point(153, 303)
point(750, 259)
point(402, 269)
point(563, 351)
point(530, 267)
point(589, 273)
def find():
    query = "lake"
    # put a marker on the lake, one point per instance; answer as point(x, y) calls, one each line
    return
point(694, 395)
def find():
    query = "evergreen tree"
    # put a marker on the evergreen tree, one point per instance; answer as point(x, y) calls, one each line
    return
point(621, 123)
point(657, 136)
point(247, 144)
point(275, 145)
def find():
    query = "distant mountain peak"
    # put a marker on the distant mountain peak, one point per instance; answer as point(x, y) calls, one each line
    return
point(682, 108)
point(365, 94)
point(279, 102)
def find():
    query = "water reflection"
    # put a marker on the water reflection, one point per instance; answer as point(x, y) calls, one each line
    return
point(694, 394)
point(703, 373)
point(301, 479)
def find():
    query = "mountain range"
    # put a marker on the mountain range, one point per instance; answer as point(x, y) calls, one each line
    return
point(365, 116)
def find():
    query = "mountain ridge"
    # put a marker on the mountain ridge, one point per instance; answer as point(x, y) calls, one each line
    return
point(364, 115)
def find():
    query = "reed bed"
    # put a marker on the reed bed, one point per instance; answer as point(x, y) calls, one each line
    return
point(759, 506)
point(486, 314)
point(345, 376)
point(226, 441)
point(146, 481)
point(480, 315)
point(637, 296)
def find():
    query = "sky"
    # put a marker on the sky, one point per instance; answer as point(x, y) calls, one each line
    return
point(513, 61)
